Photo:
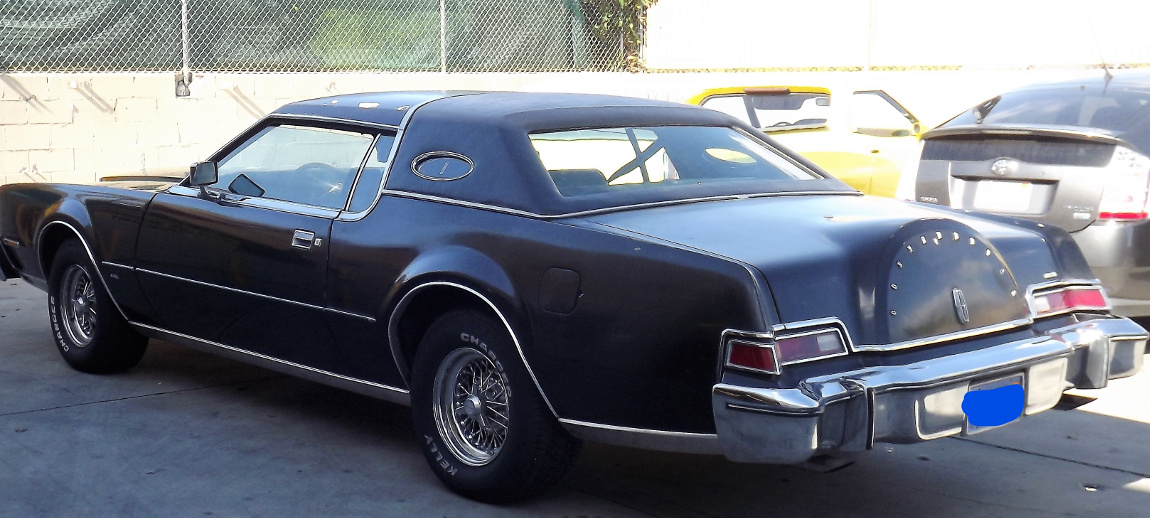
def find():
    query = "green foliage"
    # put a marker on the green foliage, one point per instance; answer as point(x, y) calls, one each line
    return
point(377, 39)
point(618, 27)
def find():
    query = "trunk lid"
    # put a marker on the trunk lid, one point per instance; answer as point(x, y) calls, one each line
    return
point(888, 270)
point(1052, 174)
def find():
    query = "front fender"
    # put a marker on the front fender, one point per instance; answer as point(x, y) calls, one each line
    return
point(69, 218)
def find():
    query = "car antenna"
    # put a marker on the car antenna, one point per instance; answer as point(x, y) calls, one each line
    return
point(1101, 56)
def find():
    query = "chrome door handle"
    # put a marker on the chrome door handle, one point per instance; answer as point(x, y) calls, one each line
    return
point(303, 239)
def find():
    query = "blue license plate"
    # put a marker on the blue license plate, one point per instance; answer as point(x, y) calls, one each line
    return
point(993, 403)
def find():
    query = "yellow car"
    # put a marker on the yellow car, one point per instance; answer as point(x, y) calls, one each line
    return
point(862, 139)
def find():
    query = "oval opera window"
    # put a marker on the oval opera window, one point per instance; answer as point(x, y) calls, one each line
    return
point(442, 166)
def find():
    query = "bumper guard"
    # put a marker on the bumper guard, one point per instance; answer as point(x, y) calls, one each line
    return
point(917, 402)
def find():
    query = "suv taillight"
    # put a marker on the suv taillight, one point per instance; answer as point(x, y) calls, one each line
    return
point(1127, 186)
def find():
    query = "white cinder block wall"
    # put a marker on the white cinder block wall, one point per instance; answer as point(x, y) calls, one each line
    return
point(82, 127)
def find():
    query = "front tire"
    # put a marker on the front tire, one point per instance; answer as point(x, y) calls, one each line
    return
point(484, 428)
point(89, 331)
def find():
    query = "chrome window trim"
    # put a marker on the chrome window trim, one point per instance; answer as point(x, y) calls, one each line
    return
point(592, 212)
point(399, 133)
point(288, 118)
point(1060, 285)
point(393, 330)
point(254, 294)
point(270, 359)
point(359, 172)
point(286, 207)
point(91, 257)
point(275, 122)
point(459, 203)
point(441, 154)
point(331, 120)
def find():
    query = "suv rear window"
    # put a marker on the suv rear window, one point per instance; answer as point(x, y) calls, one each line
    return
point(1117, 110)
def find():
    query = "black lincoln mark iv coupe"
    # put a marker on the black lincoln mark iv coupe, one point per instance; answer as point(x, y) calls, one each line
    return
point(529, 270)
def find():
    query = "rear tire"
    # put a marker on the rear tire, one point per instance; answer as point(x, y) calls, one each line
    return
point(484, 428)
point(89, 331)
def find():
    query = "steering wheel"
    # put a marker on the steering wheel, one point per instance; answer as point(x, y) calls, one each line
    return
point(324, 184)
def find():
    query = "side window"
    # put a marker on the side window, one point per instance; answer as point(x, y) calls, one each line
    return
point(367, 187)
point(307, 165)
point(732, 105)
point(872, 113)
point(775, 110)
point(785, 111)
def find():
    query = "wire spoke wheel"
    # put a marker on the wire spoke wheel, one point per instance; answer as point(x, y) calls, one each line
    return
point(470, 397)
point(78, 301)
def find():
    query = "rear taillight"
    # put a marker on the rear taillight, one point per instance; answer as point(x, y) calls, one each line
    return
point(762, 354)
point(1127, 187)
point(1069, 299)
point(747, 355)
point(810, 346)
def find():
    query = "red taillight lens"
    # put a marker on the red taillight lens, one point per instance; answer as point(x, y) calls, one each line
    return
point(753, 356)
point(1069, 299)
point(1127, 187)
point(808, 346)
point(800, 346)
point(1123, 215)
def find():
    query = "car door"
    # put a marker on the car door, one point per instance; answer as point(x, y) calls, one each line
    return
point(243, 261)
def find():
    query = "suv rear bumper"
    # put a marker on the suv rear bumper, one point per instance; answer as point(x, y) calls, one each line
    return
point(917, 402)
point(1117, 254)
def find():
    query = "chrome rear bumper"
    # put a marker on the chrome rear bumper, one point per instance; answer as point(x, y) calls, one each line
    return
point(917, 402)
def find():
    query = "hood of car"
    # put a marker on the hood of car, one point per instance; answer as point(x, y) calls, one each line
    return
point(892, 272)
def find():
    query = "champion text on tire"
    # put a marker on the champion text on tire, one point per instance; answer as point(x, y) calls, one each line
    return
point(484, 428)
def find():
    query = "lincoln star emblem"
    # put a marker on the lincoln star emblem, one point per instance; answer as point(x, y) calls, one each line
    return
point(960, 306)
point(1004, 167)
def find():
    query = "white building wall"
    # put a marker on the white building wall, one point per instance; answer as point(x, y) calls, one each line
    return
point(81, 127)
point(740, 34)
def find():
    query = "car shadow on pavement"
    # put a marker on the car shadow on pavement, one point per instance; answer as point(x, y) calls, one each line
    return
point(188, 433)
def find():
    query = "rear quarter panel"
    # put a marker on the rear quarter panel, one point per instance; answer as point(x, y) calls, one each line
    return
point(638, 349)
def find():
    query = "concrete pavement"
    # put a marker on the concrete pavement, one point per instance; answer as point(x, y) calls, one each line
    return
point(189, 434)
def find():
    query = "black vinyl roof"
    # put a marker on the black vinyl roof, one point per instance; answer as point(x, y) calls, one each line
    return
point(389, 108)
point(491, 129)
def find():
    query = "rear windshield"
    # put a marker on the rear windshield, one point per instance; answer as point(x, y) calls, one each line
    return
point(775, 111)
point(1116, 109)
point(601, 160)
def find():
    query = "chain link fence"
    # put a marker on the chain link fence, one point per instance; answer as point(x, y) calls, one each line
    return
point(303, 36)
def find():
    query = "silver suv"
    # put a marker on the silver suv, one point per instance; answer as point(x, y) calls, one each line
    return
point(1069, 153)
